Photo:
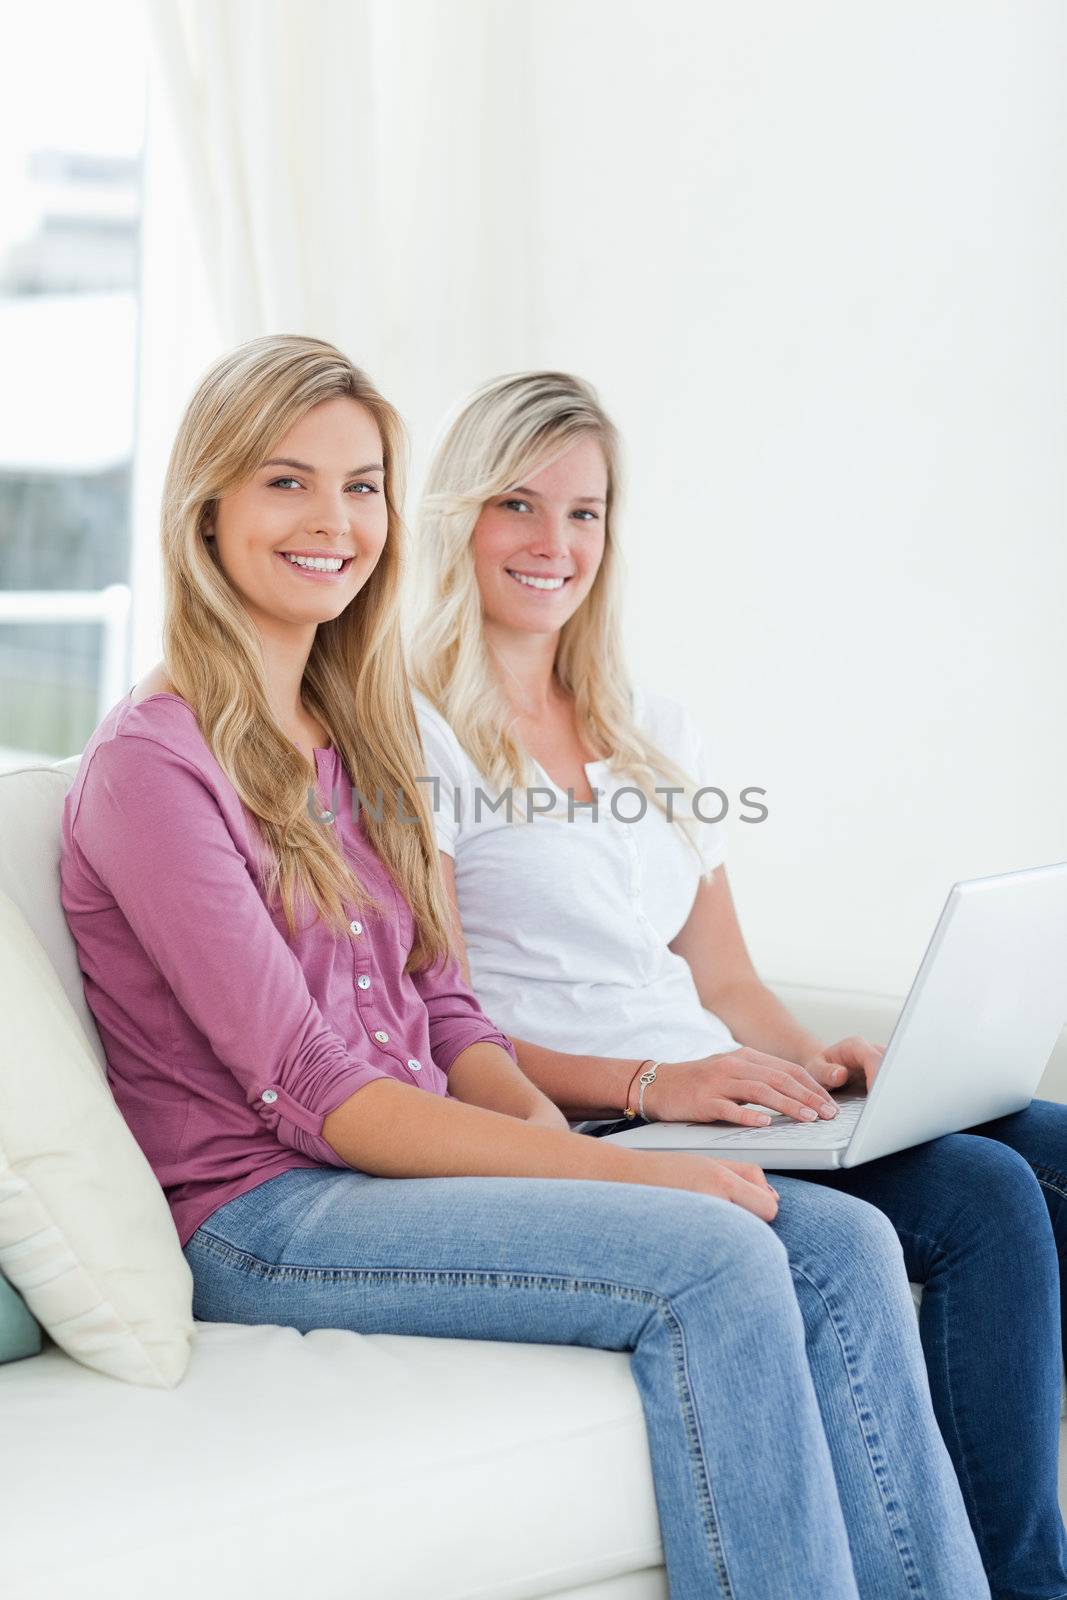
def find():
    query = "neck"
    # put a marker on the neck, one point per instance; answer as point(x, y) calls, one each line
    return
point(525, 665)
point(285, 656)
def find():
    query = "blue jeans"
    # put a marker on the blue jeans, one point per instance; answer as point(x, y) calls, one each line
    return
point(982, 1217)
point(794, 1449)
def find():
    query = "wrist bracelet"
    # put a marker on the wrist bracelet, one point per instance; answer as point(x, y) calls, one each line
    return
point(627, 1110)
point(647, 1078)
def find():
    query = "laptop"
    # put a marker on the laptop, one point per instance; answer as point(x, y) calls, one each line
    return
point(971, 1043)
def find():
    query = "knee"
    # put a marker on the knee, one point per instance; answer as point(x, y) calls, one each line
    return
point(746, 1258)
point(693, 1240)
point(745, 1238)
point(872, 1241)
point(980, 1193)
point(746, 1279)
point(1001, 1181)
point(836, 1238)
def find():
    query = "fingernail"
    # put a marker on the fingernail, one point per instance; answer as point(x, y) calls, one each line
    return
point(838, 1073)
point(809, 1113)
point(763, 1121)
point(829, 1111)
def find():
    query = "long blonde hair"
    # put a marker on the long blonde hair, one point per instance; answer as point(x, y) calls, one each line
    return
point(512, 426)
point(354, 681)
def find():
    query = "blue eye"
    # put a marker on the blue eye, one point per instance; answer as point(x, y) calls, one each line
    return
point(516, 505)
point(368, 488)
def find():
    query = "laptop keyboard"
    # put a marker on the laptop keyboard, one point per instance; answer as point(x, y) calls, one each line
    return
point(787, 1131)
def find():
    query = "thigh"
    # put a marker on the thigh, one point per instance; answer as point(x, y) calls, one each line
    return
point(963, 1195)
point(841, 1244)
point(541, 1260)
point(1039, 1134)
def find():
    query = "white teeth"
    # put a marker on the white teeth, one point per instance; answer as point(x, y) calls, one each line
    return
point(316, 563)
point(536, 583)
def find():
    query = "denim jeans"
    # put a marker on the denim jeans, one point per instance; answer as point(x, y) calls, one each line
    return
point(982, 1217)
point(795, 1453)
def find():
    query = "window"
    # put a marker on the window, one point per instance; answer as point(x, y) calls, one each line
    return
point(71, 136)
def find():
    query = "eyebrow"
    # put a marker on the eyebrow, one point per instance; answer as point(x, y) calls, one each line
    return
point(591, 499)
point(304, 466)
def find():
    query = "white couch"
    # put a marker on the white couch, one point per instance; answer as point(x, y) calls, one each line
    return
point(335, 1464)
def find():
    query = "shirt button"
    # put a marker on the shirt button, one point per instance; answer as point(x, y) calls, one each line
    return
point(363, 982)
point(269, 1096)
point(355, 927)
point(415, 1066)
point(381, 1036)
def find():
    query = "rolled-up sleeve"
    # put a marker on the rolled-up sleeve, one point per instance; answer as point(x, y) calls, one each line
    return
point(152, 830)
point(456, 1019)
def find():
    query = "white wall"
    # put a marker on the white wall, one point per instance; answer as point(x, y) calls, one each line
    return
point(813, 257)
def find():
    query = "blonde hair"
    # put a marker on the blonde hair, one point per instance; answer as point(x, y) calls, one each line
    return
point(510, 427)
point(354, 681)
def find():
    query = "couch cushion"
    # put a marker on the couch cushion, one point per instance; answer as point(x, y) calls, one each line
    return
point(86, 1235)
point(31, 808)
point(335, 1464)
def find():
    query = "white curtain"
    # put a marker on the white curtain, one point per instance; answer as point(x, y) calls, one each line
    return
point(276, 131)
point(356, 170)
point(349, 162)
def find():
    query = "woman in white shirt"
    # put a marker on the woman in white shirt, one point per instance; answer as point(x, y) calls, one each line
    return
point(601, 934)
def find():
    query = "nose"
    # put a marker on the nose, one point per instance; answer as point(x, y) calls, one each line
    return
point(328, 513)
point(550, 537)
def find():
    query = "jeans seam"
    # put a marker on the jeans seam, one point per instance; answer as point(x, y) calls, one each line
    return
point(244, 1261)
point(697, 1454)
point(875, 1456)
point(1049, 1178)
point(960, 1462)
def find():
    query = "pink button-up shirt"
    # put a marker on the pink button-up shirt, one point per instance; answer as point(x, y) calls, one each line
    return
point(227, 1041)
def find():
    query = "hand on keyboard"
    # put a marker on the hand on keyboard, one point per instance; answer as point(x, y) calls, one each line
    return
point(787, 1131)
point(736, 1086)
point(851, 1063)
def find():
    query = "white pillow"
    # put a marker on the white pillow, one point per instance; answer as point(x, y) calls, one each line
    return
point(86, 1235)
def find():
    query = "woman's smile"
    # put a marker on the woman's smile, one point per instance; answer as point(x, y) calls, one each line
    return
point(539, 582)
point(320, 568)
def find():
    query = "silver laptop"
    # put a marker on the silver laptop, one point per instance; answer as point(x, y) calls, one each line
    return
point(973, 1039)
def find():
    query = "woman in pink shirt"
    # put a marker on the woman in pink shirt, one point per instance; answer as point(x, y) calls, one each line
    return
point(291, 1039)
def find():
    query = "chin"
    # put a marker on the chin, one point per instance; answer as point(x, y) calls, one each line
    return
point(524, 623)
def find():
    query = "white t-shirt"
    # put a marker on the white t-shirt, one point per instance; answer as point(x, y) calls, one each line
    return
point(567, 923)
